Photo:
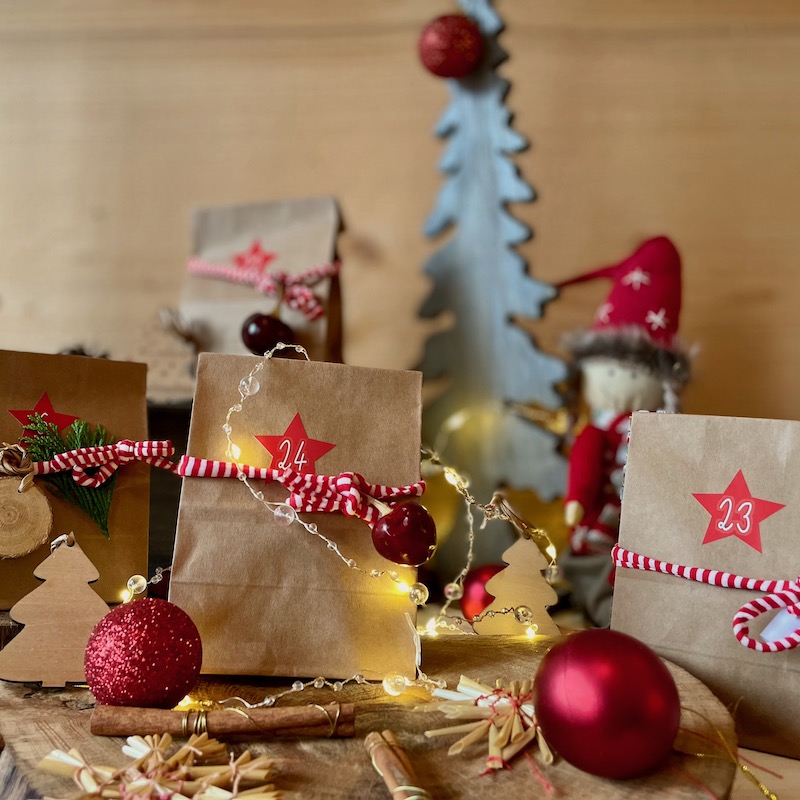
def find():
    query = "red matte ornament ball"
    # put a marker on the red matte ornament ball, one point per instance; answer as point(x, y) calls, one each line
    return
point(145, 653)
point(607, 704)
point(451, 46)
point(475, 598)
point(406, 535)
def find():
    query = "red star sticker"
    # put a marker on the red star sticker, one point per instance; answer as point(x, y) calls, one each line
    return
point(45, 408)
point(255, 258)
point(735, 512)
point(294, 449)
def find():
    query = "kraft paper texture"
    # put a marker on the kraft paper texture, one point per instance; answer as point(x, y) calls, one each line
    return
point(303, 235)
point(111, 393)
point(670, 458)
point(271, 600)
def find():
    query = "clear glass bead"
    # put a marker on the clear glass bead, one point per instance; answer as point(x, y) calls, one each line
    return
point(418, 594)
point(319, 683)
point(249, 385)
point(137, 584)
point(297, 686)
point(312, 527)
point(331, 545)
point(338, 686)
point(453, 591)
point(553, 573)
point(237, 407)
point(374, 573)
point(350, 563)
point(284, 515)
point(359, 678)
point(394, 684)
point(523, 615)
point(269, 701)
point(226, 428)
point(259, 495)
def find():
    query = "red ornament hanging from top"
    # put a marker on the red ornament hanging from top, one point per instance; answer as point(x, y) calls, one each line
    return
point(451, 46)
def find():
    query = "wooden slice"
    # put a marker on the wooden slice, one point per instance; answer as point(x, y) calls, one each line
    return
point(26, 518)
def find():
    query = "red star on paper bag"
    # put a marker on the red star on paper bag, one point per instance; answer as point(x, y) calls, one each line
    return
point(294, 449)
point(255, 258)
point(45, 408)
point(735, 512)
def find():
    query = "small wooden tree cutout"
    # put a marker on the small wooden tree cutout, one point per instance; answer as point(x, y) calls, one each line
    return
point(58, 617)
point(521, 583)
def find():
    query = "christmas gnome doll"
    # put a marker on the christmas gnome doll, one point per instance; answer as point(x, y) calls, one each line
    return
point(629, 360)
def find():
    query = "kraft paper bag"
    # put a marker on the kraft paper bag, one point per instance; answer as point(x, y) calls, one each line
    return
point(297, 235)
point(111, 393)
point(717, 493)
point(272, 600)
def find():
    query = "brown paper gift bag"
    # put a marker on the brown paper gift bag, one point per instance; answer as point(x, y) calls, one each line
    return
point(272, 600)
point(298, 235)
point(722, 494)
point(111, 393)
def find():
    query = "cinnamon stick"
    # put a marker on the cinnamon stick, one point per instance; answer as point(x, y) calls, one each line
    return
point(332, 720)
point(392, 763)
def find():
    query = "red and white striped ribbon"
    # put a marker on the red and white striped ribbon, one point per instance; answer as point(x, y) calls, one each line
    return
point(349, 492)
point(93, 466)
point(296, 288)
point(778, 594)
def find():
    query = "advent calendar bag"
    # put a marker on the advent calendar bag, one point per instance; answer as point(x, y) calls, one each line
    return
point(269, 258)
point(270, 598)
point(709, 502)
point(101, 392)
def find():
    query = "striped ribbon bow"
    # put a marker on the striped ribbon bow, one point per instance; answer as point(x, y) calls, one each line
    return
point(349, 492)
point(93, 466)
point(778, 594)
point(296, 289)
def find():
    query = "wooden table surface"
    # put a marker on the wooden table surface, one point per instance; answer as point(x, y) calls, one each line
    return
point(34, 721)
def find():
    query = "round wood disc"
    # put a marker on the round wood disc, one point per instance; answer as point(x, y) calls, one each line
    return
point(25, 518)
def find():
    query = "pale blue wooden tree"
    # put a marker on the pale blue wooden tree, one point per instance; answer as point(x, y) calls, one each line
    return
point(480, 277)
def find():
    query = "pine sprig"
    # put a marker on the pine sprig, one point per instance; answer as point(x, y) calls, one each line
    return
point(43, 441)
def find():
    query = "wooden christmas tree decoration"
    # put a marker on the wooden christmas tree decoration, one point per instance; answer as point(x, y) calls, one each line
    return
point(480, 278)
point(520, 585)
point(58, 617)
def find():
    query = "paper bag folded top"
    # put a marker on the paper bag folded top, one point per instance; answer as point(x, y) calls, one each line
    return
point(287, 236)
point(722, 494)
point(274, 600)
point(109, 393)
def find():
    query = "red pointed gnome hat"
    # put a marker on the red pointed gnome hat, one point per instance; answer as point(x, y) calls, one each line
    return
point(638, 321)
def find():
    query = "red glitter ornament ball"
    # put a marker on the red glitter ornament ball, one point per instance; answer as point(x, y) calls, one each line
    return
point(607, 703)
point(451, 46)
point(144, 653)
point(475, 598)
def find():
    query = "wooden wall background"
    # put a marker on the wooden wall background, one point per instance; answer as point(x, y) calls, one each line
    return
point(117, 118)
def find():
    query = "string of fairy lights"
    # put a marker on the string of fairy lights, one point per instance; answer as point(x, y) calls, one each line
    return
point(284, 515)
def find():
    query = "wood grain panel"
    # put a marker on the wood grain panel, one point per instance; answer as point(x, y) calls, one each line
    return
point(116, 119)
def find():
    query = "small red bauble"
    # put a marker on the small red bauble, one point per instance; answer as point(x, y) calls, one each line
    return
point(607, 704)
point(144, 653)
point(475, 598)
point(406, 535)
point(261, 332)
point(451, 46)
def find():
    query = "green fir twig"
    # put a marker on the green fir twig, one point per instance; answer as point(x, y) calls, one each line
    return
point(46, 442)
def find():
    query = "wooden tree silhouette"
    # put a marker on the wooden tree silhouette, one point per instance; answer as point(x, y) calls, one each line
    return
point(58, 617)
point(491, 363)
point(521, 583)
